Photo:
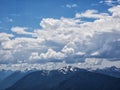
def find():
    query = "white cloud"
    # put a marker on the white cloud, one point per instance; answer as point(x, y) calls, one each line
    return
point(6, 56)
point(105, 23)
point(110, 2)
point(49, 55)
point(20, 30)
point(80, 53)
point(5, 36)
point(114, 11)
point(55, 24)
point(66, 39)
point(91, 14)
point(68, 51)
point(71, 5)
point(95, 53)
point(34, 56)
point(93, 61)
point(89, 64)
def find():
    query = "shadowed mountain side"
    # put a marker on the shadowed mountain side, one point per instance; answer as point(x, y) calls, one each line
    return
point(70, 79)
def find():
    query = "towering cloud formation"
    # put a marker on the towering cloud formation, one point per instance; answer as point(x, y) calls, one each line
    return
point(66, 39)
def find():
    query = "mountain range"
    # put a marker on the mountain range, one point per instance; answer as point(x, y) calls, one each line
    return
point(66, 78)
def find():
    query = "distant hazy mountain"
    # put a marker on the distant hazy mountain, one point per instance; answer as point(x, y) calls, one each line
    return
point(4, 74)
point(111, 71)
point(11, 79)
point(67, 78)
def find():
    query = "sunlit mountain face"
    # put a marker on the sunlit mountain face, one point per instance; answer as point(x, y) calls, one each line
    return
point(38, 35)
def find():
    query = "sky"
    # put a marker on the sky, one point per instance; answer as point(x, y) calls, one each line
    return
point(41, 32)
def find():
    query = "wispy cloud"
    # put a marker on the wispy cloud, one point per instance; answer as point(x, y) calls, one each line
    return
point(9, 19)
point(71, 5)
point(110, 2)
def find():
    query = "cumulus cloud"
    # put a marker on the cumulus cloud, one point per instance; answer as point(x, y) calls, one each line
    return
point(50, 55)
point(55, 24)
point(66, 40)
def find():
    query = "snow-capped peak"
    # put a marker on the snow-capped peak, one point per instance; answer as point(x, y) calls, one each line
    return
point(67, 69)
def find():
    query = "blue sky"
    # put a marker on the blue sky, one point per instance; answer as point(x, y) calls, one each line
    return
point(52, 31)
point(32, 11)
